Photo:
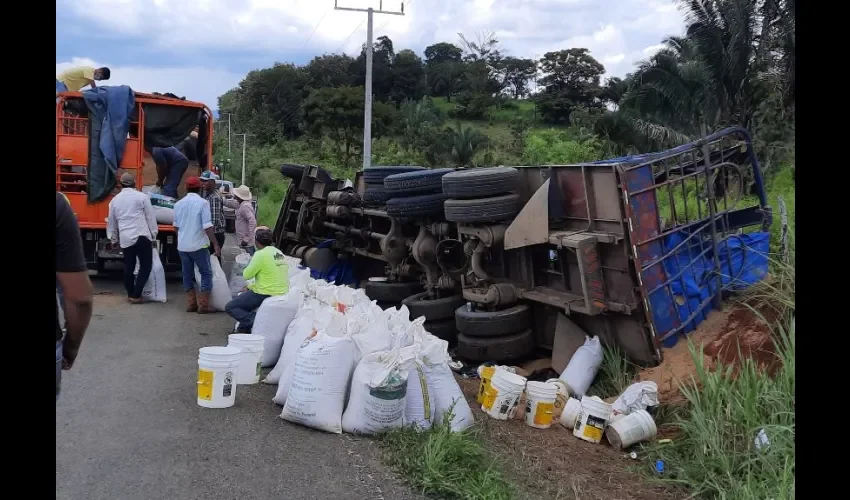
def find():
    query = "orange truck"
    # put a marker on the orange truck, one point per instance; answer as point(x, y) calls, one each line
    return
point(153, 114)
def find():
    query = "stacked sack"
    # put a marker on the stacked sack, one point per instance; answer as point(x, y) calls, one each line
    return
point(345, 364)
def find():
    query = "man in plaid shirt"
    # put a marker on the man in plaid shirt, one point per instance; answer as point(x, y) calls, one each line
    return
point(212, 196)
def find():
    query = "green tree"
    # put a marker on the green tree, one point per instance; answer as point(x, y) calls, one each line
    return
point(462, 143)
point(330, 70)
point(338, 113)
point(268, 101)
point(516, 73)
point(442, 52)
point(444, 69)
point(408, 77)
point(382, 62)
point(571, 79)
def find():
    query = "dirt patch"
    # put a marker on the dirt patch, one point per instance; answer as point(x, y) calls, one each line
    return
point(554, 464)
point(720, 336)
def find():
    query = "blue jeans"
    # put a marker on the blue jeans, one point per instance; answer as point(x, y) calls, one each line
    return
point(172, 180)
point(200, 258)
point(243, 308)
point(58, 367)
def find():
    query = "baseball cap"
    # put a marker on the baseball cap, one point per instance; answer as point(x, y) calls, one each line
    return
point(193, 182)
point(209, 175)
point(128, 179)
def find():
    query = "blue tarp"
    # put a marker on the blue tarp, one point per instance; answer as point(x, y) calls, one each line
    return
point(743, 261)
point(109, 114)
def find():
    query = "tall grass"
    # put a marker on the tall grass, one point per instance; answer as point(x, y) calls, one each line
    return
point(445, 464)
point(715, 454)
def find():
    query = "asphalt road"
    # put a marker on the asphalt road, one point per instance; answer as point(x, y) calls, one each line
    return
point(128, 425)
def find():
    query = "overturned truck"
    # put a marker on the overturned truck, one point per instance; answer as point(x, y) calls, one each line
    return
point(507, 261)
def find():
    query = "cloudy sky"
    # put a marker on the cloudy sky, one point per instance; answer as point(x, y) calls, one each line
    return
point(202, 48)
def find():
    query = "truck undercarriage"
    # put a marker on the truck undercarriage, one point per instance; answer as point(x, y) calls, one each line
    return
point(509, 260)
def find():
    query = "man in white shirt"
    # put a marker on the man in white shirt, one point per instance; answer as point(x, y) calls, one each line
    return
point(132, 224)
point(195, 234)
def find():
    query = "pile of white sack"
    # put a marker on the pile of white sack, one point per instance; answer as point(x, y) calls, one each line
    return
point(341, 363)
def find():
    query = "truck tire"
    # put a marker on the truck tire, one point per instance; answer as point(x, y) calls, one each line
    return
point(433, 309)
point(497, 349)
point(385, 291)
point(493, 209)
point(444, 329)
point(418, 182)
point(375, 195)
point(493, 324)
point(480, 182)
point(292, 171)
point(416, 206)
point(376, 175)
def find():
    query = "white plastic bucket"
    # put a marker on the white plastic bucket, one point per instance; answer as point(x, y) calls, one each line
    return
point(250, 359)
point(630, 429)
point(561, 398)
point(592, 420)
point(502, 397)
point(572, 409)
point(540, 404)
point(217, 369)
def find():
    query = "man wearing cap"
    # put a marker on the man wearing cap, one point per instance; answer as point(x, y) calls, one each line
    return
point(194, 225)
point(213, 197)
point(132, 224)
point(246, 220)
point(270, 273)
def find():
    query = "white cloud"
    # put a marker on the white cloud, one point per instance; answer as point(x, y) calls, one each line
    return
point(615, 31)
point(196, 84)
point(652, 49)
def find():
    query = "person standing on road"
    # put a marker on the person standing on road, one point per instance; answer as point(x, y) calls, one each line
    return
point(72, 275)
point(271, 277)
point(132, 224)
point(171, 164)
point(213, 197)
point(194, 226)
point(246, 220)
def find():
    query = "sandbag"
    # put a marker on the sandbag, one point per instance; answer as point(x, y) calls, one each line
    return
point(154, 290)
point(583, 366)
point(220, 294)
point(320, 380)
point(272, 320)
point(444, 391)
point(322, 318)
point(163, 215)
point(419, 408)
point(160, 200)
point(298, 330)
point(237, 281)
point(378, 392)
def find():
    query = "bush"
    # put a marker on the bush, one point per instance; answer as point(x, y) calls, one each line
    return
point(553, 146)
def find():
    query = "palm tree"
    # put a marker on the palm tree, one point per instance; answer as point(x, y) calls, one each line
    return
point(463, 143)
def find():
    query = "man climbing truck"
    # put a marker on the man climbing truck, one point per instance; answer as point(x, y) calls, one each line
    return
point(87, 176)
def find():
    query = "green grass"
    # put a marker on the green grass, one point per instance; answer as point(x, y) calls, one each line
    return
point(615, 374)
point(447, 465)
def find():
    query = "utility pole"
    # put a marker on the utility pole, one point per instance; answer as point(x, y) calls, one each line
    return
point(228, 133)
point(367, 112)
point(244, 146)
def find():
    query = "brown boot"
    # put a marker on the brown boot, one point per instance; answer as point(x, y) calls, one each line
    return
point(191, 301)
point(204, 303)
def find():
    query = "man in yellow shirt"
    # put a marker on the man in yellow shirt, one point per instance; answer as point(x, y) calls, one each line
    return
point(74, 79)
point(271, 277)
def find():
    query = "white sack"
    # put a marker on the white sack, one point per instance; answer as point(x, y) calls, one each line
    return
point(323, 318)
point(583, 366)
point(378, 392)
point(220, 294)
point(638, 396)
point(154, 290)
point(163, 215)
point(298, 330)
point(419, 409)
point(237, 281)
point(320, 380)
point(444, 391)
point(272, 320)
